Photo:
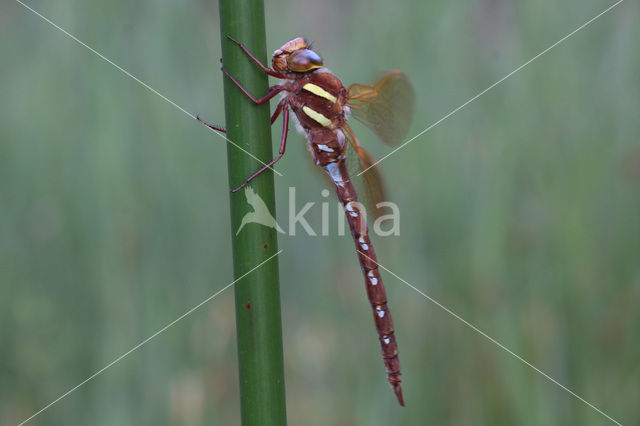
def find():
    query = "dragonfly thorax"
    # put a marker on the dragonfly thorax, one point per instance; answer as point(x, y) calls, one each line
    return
point(318, 101)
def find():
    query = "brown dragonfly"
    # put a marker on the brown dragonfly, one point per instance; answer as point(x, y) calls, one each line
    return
point(321, 106)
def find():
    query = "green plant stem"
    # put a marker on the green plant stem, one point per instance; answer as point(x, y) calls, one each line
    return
point(257, 297)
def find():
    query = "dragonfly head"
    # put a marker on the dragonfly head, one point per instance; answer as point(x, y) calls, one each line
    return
point(295, 56)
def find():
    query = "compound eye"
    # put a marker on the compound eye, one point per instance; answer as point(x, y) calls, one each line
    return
point(304, 60)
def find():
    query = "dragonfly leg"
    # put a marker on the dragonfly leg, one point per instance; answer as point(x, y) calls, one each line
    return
point(211, 126)
point(268, 70)
point(282, 106)
point(273, 90)
point(278, 110)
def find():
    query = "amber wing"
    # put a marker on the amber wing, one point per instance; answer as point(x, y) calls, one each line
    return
point(386, 106)
point(370, 184)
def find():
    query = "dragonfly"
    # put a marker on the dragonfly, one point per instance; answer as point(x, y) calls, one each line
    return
point(321, 106)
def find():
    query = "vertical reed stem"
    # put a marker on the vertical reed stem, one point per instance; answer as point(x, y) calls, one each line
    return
point(257, 296)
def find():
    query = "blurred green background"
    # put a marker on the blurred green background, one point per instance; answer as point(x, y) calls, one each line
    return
point(521, 213)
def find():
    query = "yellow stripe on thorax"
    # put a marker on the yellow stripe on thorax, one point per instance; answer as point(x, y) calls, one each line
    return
point(324, 121)
point(319, 91)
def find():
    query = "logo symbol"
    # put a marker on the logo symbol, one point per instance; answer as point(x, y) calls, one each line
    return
point(260, 213)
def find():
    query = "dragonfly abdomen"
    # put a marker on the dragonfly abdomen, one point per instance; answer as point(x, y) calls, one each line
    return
point(369, 265)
